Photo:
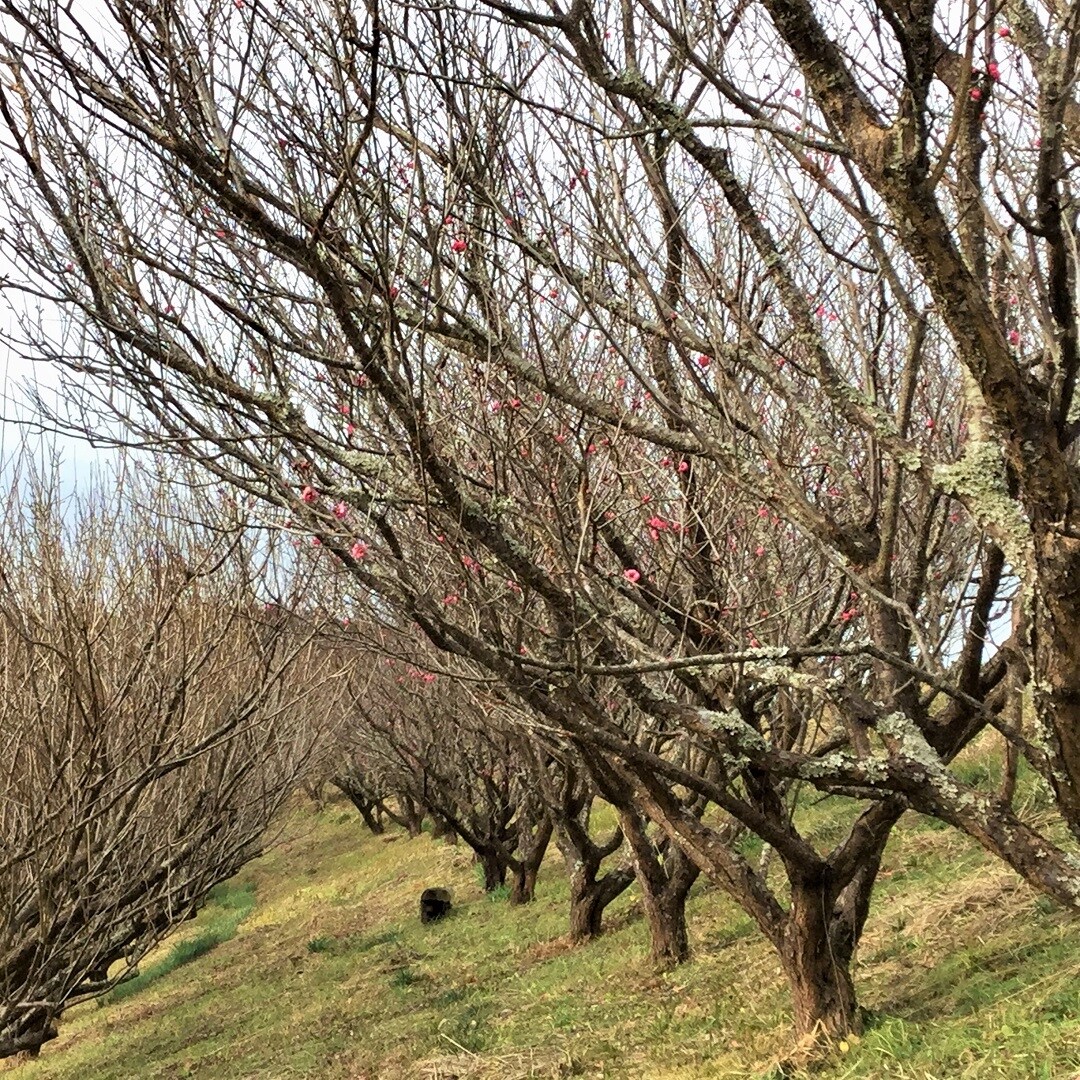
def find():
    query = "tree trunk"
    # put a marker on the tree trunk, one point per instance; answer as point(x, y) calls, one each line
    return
point(441, 829)
point(665, 908)
point(523, 887)
point(26, 1036)
point(589, 897)
point(665, 875)
point(532, 846)
point(586, 912)
point(494, 864)
point(817, 962)
point(367, 808)
point(412, 816)
point(368, 814)
point(1056, 676)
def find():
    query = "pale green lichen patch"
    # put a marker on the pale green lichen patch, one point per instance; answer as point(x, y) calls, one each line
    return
point(770, 652)
point(733, 725)
point(912, 742)
point(978, 478)
point(779, 675)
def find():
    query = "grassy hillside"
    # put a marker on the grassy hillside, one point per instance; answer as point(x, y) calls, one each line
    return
point(313, 964)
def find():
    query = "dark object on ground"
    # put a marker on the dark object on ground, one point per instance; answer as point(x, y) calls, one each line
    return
point(434, 904)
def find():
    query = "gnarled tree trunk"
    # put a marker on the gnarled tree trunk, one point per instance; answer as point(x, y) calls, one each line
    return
point(816, 955)
point(665, 876)
point(590, 895)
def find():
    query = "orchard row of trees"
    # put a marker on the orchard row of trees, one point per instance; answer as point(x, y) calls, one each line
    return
point(422, 746)
point(698, 381)
point(155, 718)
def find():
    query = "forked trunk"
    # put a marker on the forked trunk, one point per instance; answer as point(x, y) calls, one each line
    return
point(532, 847)
point(665, 875)
point(586, 911)
point(589, 897)
point(523, 889)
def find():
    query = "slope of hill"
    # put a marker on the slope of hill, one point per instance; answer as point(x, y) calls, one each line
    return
point(329, 974)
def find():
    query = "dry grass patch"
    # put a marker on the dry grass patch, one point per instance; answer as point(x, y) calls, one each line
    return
point(541, 1063)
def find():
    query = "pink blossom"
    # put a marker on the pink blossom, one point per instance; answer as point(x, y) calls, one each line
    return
point(316, 542)
point(976, 94)
point(684, 466)
point(394, 290)
point(343, 409)
point(1014, 337)
point(458, 246)
point(1004, 31)
point(633, 576)
point(759, 551)
point(993, 70)
point(309, 494)
point(450, 599)
point(358, 550)
point(341, 511)
point(704, 361)
point(350, 429)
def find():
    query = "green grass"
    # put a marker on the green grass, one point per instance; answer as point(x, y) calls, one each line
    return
point(964, 972)
point(225, 909)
